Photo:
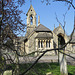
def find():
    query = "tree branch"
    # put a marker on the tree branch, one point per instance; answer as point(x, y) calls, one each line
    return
point(47, 51)
point(67, 2)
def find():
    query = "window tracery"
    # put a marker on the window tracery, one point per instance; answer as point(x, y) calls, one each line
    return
point(42, 42)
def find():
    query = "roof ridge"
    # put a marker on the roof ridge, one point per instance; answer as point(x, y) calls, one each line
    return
point(42, 28)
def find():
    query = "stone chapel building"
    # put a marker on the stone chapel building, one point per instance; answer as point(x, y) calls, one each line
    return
point(40, 38)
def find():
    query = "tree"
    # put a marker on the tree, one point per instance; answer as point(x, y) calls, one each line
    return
point(10, 18)
point(10, 26)
point(70, 2)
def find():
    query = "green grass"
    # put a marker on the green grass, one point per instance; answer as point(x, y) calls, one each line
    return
point(71, 69)
point(43, 68)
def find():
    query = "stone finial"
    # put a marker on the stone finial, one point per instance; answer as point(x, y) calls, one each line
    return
point(54, 26)
point(59, 25)
point(30, 2)
point(38, 20)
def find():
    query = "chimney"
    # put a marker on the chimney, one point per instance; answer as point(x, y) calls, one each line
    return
point(38, 20)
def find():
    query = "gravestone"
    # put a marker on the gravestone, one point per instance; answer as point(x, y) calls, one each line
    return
point(49, 73)
point(7, 72)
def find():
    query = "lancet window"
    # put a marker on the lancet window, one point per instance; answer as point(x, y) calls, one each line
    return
point(42, 43)
point(31, 19)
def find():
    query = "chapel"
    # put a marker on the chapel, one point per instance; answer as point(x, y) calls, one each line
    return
point(39, 38)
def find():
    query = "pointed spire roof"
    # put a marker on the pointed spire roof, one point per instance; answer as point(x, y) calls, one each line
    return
point(31, 9)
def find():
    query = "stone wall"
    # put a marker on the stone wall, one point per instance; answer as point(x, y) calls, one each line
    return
point(31, 43)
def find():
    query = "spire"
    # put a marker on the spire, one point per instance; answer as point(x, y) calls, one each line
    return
point(38, 20)
point(54, 26)
point(31, 10)
point(59, 24)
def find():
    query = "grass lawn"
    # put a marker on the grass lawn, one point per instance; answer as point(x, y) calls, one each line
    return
point(43, 68)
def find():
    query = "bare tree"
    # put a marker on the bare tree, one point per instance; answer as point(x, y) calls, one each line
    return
point(10, 26)
point(10, 23)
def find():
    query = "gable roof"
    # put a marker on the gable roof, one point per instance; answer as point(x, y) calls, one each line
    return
point(44, 35)
point(56, 29)
point(42, 28)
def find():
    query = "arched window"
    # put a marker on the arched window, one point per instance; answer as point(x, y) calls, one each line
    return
point(47, 44)
point(31, 20)
point(39, 44)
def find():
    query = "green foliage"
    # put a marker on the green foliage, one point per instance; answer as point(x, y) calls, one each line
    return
point(43, 68)
point(2, 62)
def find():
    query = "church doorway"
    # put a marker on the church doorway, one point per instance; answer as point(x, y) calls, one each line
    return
point(61, 40)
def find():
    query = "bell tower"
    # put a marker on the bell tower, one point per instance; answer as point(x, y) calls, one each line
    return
point(31, 19)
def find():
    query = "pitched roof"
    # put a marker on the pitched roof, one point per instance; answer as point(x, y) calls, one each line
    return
point(42, 28)
point(56, 29)
point(44, 35)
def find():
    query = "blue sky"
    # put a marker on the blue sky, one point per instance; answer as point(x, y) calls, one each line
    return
point(47, 14)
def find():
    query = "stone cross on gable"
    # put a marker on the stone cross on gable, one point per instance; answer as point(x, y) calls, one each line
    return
point(30, 2)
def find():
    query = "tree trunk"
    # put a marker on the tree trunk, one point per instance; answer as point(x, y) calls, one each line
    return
point(17, 66)
point(63, 64)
